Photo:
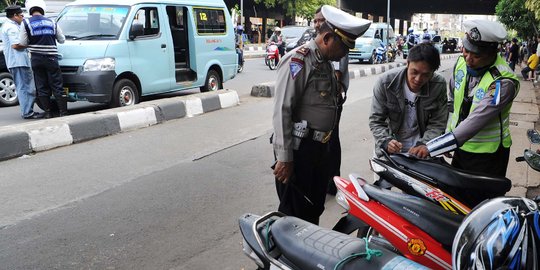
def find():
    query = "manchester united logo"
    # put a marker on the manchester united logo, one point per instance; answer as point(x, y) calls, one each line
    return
point(474, 34)
point(416, 247)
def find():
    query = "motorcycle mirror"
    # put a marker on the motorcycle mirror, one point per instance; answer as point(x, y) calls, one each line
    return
point(532, 158)
point(534, 136)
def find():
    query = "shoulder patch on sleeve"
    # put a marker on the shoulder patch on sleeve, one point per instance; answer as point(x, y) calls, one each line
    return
point(296, 66)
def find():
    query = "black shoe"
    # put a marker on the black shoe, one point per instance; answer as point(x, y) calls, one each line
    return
point(34, 115)
point(47, 115)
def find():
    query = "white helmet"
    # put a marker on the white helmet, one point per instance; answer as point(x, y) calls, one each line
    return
point(30, 4)
point(277, 29)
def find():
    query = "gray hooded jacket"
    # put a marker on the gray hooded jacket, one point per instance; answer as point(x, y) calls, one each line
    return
point(387, 108)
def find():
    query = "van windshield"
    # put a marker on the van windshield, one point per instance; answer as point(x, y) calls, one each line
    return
point(92, 22)
point(369, 33)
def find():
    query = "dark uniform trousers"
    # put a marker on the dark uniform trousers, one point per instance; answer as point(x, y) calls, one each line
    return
point(494, 164)
point(312, 168)
point(47, 75)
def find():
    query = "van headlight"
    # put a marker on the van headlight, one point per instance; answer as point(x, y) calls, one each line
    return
point(101, 64)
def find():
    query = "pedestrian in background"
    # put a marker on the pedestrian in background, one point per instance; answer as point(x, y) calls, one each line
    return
point(409, 104)
point(513, 54)
point(18, 62)
point(483, 88)
point(532, 63)
point(40, 34)
point(305, 114)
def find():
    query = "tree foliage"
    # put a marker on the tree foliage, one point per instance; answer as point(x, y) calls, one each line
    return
point(534, 6)
point(6, 3)
point(515, 15)
point(304, 8)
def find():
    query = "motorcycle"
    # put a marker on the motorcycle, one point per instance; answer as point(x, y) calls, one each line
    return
point(275, 241)
point(437, 181)
point(418, 229)
point(272, 56)
point(391, 53)
point(380, 54)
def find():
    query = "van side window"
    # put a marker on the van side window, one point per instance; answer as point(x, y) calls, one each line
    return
point(210, 21)
point(148, 17)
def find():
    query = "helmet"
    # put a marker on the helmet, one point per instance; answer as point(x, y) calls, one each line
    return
point(410, 30)
point(239, 28)
point(277, 29)
point(502, 233)
point(31, 5)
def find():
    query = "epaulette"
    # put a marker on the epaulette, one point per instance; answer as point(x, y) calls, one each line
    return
point(303, 51)
point(494, 71)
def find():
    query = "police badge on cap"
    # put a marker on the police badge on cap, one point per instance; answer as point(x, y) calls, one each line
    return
point(482, 35)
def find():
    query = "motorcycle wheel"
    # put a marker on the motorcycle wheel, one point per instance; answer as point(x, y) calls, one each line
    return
point(272, 63)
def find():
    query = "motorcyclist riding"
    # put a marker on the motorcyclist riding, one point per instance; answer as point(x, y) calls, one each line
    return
point(240, 46)
point(279, 40)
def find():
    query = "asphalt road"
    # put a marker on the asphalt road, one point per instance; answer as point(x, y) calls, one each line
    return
point(163, 197)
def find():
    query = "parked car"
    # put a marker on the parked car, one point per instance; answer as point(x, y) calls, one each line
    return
point(450, 45)
point(297, 35)
point(8, 95)
point(366, 45)
point(437, 42)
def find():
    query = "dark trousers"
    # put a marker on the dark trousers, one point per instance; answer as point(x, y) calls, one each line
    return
point(312, 168)
point(494, 164)
point(525, 72)
point(47, 75)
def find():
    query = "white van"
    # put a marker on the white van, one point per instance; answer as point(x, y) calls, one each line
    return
point(117, 51)
point(375, 36)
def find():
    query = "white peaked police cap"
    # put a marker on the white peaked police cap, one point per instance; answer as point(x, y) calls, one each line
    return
point(482, 34)
point(345, 25)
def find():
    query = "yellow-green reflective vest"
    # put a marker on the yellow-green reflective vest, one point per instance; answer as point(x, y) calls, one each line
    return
point(488, 139)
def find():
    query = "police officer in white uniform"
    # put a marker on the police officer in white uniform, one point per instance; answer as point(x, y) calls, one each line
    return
point(305, 114)
point(481, 94)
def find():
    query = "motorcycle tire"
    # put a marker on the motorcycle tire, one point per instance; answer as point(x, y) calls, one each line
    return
point(272, 63)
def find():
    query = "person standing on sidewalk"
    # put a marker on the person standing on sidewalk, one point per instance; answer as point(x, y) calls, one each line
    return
point(305, 114)
point(513, 56)
point(18, 62)
point(483, 88)
point(341, 68)
point(40, 34)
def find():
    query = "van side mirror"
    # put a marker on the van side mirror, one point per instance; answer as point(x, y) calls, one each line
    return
point(135, 31)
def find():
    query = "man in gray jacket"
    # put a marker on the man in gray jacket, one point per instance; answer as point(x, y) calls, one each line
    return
point(408, 107)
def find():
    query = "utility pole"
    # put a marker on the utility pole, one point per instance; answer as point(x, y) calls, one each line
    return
point(387, 22)
point(241, 11)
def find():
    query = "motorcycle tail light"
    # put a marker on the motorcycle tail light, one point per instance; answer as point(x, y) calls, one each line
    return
point(342, 200)
point(376, 167)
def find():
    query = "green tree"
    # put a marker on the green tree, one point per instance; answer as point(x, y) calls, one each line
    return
point(515, 15)
point(6, 3)
point(534, 6)
point(304, 8)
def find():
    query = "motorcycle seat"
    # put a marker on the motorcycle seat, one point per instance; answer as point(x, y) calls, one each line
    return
point(308, 246)
point(439, 169)
point(440, 224)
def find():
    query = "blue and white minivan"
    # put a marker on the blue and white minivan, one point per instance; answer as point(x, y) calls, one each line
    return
point(117, 51)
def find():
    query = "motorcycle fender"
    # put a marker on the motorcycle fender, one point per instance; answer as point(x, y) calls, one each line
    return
point(349, 224)
point(246, 222)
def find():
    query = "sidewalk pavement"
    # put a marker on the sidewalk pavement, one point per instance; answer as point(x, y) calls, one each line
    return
point(524, 115)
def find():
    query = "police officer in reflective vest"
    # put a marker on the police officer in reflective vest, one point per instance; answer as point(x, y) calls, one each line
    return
point(482, 91)
point(305, 114)
point(40, 34)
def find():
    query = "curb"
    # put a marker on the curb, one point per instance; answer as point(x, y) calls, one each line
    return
point(267, 89)
point(23, 139)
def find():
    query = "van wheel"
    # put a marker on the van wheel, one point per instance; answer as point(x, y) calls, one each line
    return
point(124, 94)
point(373, 58)
point(213, 82)
point(8, 95)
